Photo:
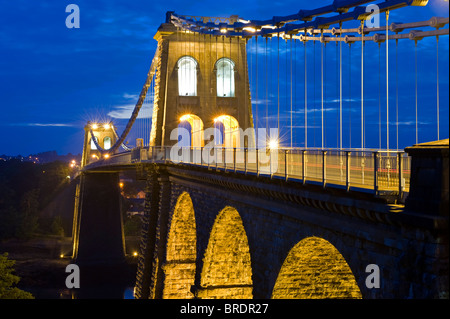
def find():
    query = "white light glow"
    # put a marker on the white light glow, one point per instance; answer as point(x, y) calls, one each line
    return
point(273, 144)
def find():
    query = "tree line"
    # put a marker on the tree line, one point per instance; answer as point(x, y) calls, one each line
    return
point(25, 189)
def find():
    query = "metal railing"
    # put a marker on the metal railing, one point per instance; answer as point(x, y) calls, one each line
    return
point(374, 170)
point(365, 170)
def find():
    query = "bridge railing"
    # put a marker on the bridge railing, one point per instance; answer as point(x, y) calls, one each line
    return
point(366, 170)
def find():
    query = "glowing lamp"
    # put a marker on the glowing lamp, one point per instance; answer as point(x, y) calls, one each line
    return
point(94, 126)
point(273, 144)
point(185, 117)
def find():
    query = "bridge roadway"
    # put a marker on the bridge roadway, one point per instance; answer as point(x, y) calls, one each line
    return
point(348, 169)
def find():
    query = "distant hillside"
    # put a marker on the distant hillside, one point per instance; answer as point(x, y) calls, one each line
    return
point(42, 158)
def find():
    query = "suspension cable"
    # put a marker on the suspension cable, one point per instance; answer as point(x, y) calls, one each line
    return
point(437, 84)
point(350, 92)
point(379, 95)
point(340, 90)
point(396, 91)
point(362, 85)
point(306, 95)
point(291, 91)
point(387, 80)
point(278, 84)
point(321, 81)
point(417, 130)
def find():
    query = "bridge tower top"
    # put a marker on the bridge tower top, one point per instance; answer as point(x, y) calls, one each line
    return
point(105, 136)
point(200, 80)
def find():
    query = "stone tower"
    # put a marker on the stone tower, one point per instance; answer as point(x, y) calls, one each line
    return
point(106, 137)
point(202, 80)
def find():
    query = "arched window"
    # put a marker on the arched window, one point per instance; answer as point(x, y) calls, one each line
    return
point(187, 76)
point(225, 77)
point(93, 147)
point(107, 143)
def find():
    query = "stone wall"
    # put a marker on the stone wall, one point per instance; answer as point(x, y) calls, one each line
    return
point(411, 249)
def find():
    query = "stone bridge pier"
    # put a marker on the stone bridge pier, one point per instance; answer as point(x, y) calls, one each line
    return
point(214, 234)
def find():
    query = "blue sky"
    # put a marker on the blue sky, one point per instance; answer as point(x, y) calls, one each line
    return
point(54, 79)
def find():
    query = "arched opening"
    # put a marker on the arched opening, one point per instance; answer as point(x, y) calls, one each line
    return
point(315, 269)
point(181, 251)
point(229, 127)
point(194, 126)
point(107, 143)
point(227, 271)
point(225, 77)
point(187, 76)
point(93, 147)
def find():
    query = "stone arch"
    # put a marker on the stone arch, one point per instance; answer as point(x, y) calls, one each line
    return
point(181, 251)
point(230, 131)
point(314, 268)
point(227, 271)
point(195, 129)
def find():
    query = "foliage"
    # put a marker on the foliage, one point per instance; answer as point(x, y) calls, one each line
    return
point(8, 280)
point(25, 189)
point(132, 226)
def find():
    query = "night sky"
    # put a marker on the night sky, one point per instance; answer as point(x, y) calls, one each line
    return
point(54, 79)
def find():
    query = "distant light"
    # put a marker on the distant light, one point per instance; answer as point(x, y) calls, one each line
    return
point(68, 177)
point(250, 29)
point(106, 126)
point(94, 126)
point(135, 254)
point(106, 156)
point(273, 144)
point(61, 256)
point(223, 30)
point(73, 161)
point(121, 185)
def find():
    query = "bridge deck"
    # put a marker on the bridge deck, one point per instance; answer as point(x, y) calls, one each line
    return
point(380, 172)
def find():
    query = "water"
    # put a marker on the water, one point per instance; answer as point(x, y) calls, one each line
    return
point(96, 282)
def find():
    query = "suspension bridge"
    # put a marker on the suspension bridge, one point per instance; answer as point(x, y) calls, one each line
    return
point(276, 108)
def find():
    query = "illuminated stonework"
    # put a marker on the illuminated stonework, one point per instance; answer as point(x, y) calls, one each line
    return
point(314, 268)
point(179, 269)
point(227, 271)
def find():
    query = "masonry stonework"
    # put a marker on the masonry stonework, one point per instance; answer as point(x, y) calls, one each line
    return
point(410, 248)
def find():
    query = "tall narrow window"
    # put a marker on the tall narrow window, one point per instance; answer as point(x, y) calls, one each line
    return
point(225, 77)
point(187, 76)
point(93, 147)
point(107, 143)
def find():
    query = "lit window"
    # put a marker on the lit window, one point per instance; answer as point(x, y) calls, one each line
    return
point(107, 143)
point(225, 77)
point(93, 147)
point(187, 76)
